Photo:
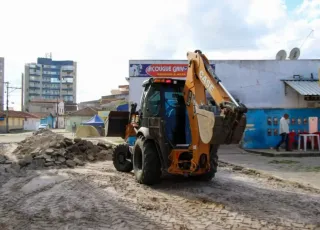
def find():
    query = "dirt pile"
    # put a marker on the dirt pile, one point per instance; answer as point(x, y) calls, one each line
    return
point(49, 149)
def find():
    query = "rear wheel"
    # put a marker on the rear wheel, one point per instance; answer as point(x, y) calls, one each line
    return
point(120, 158)
point(146, 162)
point(213, 165)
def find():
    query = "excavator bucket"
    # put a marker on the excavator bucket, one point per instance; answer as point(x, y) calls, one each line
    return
point(222, 132)
point(217, 130)
point(116, 123)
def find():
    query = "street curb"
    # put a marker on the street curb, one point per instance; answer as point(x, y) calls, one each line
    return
point(251, 171)
point(267, 154)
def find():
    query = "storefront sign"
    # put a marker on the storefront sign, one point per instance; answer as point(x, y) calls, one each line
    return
point(159, 70)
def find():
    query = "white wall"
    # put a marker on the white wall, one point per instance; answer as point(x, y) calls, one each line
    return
point(256, 83)
point(60, 108)
point(61, 123)
point(31, 124)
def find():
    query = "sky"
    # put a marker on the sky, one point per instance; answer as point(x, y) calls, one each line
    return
point(103, 35)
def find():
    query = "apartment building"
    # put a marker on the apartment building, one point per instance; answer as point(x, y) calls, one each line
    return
point(50, 80)
point(122, 89)
point(117, 95)
point(1, 83)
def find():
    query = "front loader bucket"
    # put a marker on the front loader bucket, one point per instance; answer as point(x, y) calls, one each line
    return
point(116, 123)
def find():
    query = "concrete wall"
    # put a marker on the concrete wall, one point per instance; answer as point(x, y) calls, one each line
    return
point(14, 124)
point(256, 83)
point(77, 119)
point(61, 122)
point(31, 124)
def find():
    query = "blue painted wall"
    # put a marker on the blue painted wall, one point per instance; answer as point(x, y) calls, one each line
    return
point(48, 120)
point(124, 107)
point(256, 134)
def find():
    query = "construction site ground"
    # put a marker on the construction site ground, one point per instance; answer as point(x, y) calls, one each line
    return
point(95, 196)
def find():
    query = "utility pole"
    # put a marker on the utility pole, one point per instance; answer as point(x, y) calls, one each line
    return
point(7, 112)
point(22, 92)
point(57, 114)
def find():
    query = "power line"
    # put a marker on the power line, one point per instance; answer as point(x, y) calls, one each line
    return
point(306, 38)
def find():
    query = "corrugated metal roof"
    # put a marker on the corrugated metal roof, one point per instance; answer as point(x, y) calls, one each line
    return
point(305, 88)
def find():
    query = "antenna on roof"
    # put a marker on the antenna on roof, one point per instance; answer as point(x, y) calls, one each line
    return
point(281, 55)
point(294, 54)
point(48, 55)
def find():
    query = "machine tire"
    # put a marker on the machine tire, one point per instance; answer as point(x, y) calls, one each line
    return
point(146, 162)
point(213, 166)
point(119, 158)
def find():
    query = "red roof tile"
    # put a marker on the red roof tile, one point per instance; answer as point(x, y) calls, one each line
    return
point(88, 111)
point(18, 114)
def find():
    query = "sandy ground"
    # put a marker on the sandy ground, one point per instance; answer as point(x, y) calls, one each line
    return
point(14, 138)
point(97, 197)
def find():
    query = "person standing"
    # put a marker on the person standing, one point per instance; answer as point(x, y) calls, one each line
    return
point(284, 132)
point(74, 128)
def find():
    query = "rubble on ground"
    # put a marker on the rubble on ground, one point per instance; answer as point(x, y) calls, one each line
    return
point(48, 149)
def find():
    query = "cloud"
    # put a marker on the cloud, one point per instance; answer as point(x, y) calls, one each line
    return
point(103, 35)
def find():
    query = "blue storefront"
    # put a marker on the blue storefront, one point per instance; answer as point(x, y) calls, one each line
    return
point(49, 119)
point(263, 125)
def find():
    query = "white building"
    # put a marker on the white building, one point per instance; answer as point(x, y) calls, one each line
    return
point(257, 83)
point(269, 88)
point(31, 123)
point(60, 117)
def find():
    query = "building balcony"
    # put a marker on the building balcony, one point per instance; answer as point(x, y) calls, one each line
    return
point(34, 86)
point(32, 73)
point(67, 86)
point(67, 82)
point(67, 68)
point(46, 80)
point(34, 80)
point(50, 88)
point(67, 74)
point(51, 92)
point(67, 89)
point(67, 94)
point(51, 75)
point(34, 93)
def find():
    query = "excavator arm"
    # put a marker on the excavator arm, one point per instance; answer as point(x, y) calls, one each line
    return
point(206, 128)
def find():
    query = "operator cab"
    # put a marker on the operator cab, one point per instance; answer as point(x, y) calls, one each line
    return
point(163, 98)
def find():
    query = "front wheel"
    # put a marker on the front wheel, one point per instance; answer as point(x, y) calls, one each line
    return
point(120, 158)
point(146, 162)
point(213, 165)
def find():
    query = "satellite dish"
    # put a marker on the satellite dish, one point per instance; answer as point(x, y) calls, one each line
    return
point(281, 55)
point(294, 54)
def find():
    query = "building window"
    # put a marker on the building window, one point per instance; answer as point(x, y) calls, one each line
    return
point(55, 80)
point(67, 67)
point(67, 79)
